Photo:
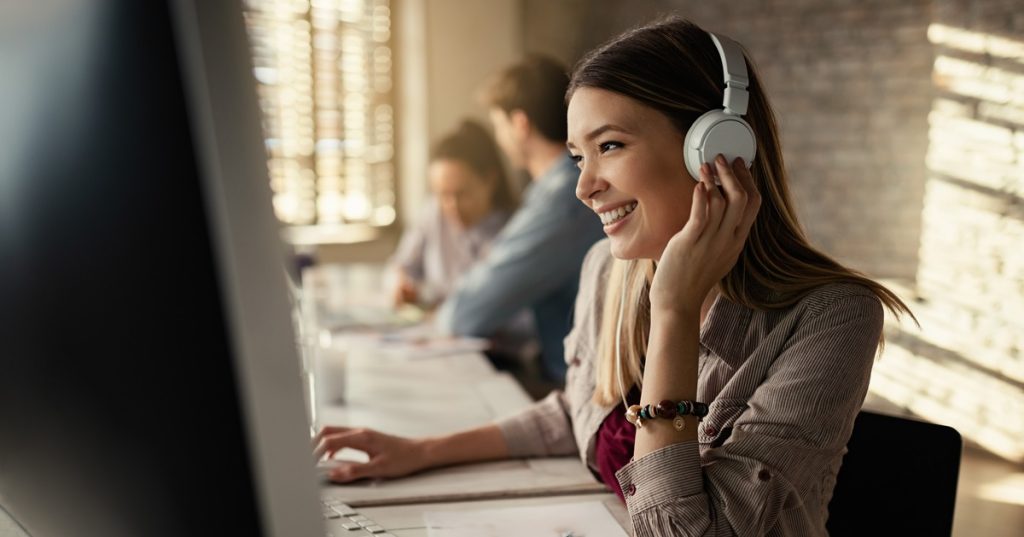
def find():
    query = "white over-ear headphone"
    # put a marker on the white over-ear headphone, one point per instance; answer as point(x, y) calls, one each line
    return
point(723, 130)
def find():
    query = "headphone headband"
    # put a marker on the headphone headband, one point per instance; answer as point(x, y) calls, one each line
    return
point(723, 131)
point(734, 67)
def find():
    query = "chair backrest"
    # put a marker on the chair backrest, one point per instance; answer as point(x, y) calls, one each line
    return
point(898, 477)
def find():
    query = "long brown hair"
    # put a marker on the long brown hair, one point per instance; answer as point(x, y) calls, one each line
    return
point(673, 67)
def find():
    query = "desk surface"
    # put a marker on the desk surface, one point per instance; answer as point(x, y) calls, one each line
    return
point(412, 396)
point(408, 520)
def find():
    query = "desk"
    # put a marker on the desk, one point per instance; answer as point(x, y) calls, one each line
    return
point(412, 396)
point(407, 520)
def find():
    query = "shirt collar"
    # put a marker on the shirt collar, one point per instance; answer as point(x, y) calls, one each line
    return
point(724, 332)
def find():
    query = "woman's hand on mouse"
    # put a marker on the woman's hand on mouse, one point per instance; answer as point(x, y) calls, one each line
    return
point(390, 456)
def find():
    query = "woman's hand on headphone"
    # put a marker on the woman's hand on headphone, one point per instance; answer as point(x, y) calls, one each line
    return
point(707, 247)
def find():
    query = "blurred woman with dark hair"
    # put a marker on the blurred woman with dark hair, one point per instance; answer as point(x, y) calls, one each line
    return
point(472, 199)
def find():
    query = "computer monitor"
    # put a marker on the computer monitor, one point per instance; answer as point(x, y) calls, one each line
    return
point(149, 383)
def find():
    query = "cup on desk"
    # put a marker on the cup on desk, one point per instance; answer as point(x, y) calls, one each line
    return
point(323, 366)
point(329, 376)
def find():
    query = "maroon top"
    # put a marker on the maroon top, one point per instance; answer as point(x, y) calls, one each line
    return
point(613, 447)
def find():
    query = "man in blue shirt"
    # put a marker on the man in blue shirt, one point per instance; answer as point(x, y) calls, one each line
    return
point(535, 261)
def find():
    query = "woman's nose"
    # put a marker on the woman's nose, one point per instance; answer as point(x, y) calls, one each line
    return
point(589, 185)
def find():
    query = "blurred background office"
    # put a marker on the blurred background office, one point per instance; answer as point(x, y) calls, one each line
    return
point(903, 131)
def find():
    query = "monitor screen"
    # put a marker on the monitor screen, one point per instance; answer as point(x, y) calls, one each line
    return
point(149, 383)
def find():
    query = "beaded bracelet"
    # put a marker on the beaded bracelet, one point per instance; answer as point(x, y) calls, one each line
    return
point(667, 409)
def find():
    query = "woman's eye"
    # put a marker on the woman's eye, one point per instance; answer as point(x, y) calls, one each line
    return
point(578, 159)
point(608, 146)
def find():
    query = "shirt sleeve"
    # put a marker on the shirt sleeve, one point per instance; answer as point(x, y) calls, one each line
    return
point(783, 440)
point(539, 251)
point(542, 430)
point(411, 248)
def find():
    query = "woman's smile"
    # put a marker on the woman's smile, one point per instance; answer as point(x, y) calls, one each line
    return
point(616, 217)
point(611, 212)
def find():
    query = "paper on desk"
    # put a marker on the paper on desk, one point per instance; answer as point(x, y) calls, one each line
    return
point(511, 478)
point(368, 317)
point(580, 519)
point(419, 341)
point(424, 345)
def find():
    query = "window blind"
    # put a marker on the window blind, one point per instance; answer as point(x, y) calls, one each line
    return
point(324, 78)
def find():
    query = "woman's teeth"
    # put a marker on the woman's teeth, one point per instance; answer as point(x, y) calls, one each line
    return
point(614, 215)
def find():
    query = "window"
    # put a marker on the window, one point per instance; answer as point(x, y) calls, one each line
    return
point(324, 74)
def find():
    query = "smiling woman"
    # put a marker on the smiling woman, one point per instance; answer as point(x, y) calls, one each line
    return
point(712, 294)
point(717, 360)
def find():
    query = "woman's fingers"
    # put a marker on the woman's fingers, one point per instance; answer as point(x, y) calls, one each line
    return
point(360, 439)
point(350, 471)
point(321, 448)
point(697, 221)
point(390, 456)
point(735, 194)
point(743, 174)
point(753, 197)
point(326, 431)
point(716, 202)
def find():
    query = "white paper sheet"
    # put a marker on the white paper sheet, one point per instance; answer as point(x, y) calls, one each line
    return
point(417, 341)
point(511, 478)
point(579, 519)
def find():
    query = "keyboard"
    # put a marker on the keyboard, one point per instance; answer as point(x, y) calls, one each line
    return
point(343, 520)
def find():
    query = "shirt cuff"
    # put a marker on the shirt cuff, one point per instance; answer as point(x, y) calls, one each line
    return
point(539, 430)
point(661, 476)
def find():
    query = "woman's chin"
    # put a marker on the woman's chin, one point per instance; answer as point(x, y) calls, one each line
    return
point(626, 250)
point(623, 249)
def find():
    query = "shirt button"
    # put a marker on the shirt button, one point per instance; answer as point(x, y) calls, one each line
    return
point(575, 361)
point(630, 489)
point(710, 430)
point(764, 475)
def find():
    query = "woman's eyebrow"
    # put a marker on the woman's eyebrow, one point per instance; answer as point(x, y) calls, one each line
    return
point(599, 131)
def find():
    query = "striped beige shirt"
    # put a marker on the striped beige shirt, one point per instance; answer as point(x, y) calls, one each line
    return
point(784, 388)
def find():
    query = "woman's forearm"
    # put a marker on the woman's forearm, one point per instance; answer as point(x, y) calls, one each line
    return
point(474, 445)
point(670, 372)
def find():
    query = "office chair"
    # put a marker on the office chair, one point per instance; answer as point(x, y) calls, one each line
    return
point(898, 477)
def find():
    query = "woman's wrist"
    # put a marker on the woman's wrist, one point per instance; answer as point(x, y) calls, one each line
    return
point(672, 355)
point(671, 323)
point(684, 312)
point(432, 451)
point(675, 316)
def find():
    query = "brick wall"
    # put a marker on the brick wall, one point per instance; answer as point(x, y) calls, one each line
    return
point(903, 132)
point(850, 83)
point(966, 365)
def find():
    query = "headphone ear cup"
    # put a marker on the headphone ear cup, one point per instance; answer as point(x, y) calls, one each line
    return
point(717, 132)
